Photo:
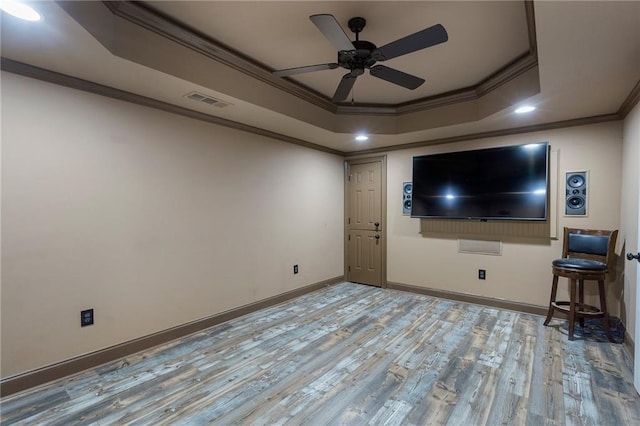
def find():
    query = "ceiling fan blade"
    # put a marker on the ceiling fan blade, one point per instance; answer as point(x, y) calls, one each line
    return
point(345, 86)
point(396, 77)
point(328, 26)
point(417, 41)
point(302, 70)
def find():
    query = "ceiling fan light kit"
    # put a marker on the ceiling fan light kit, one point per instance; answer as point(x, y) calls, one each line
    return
point(358, 55)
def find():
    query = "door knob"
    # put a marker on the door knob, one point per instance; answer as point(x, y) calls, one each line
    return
point(631, 256)
point(376, 224)
point(377, 237)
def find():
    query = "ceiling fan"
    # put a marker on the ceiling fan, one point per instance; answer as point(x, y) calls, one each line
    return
point(357, 55)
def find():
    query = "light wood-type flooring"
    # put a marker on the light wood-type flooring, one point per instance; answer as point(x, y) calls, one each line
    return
point(353, 354)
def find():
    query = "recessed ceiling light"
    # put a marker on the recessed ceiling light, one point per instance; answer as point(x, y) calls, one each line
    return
point(524, 109)
point(362, 138)
point(19, 10)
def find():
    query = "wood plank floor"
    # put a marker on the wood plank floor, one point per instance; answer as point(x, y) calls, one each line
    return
point(353, 354)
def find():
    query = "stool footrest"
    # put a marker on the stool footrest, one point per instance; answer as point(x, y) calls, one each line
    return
point(582, 310)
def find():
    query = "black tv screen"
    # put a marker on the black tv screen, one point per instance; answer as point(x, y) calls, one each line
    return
point(496, 183)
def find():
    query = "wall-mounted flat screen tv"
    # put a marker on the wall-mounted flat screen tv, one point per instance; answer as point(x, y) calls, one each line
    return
point(497, 183)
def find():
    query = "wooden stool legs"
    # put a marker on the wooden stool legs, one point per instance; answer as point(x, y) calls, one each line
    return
point(577, 309)
point(605, 317)
point(554, 290)
point(572, 307)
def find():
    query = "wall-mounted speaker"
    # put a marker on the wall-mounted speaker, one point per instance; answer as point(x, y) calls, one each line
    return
point(576, 194)
point(407, 190)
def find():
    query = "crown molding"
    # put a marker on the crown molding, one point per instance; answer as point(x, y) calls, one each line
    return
point(143, 16)
point(630, 102)
point(53, 77)
point(494, 81)
point(65, 80)
point(492, 134)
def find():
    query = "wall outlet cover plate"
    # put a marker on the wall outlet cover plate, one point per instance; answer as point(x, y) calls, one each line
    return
point(86, 317)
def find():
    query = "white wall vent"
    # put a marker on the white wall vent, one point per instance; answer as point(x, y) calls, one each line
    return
point(493, 248)
point(209, 100)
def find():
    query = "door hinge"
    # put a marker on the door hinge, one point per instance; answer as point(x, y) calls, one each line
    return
point(349, 237)
point(348, 268)
point(349, 178)
point(349, 221)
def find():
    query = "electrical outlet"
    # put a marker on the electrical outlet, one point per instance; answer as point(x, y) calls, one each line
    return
point(482, 274)
point(86, 317)
point(295, 269)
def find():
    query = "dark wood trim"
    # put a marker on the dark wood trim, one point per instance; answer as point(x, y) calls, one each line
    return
point(20, 382)
point(527, 308)
point(449, 98)
point(512, 70)
point(152, 20)
point(459, 96)
point(492, 134)
point(518, 66)
point(31, 71)
point(530, 12)
point(471, 298)
point(630, 102)
point(362, 109)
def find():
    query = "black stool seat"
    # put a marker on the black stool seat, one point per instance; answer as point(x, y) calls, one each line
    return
point(581, 264)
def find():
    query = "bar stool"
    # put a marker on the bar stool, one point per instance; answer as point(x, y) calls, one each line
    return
point(586, 255)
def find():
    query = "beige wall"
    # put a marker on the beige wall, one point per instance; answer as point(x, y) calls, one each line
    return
point(523, 272)
point(629, 214)
point(155, 220)
point(152, 219)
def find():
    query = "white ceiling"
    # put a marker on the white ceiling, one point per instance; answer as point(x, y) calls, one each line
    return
point(588, 62)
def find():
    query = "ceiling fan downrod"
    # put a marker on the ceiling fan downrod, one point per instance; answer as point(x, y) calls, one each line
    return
point(356, 25)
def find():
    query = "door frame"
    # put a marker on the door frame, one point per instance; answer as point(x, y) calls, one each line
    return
point(636, 352)
point(383, 213)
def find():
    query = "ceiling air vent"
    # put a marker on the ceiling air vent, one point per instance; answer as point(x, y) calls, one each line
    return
point(209, 100)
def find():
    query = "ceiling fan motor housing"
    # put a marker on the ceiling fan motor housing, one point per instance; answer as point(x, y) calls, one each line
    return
point(360, 58)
